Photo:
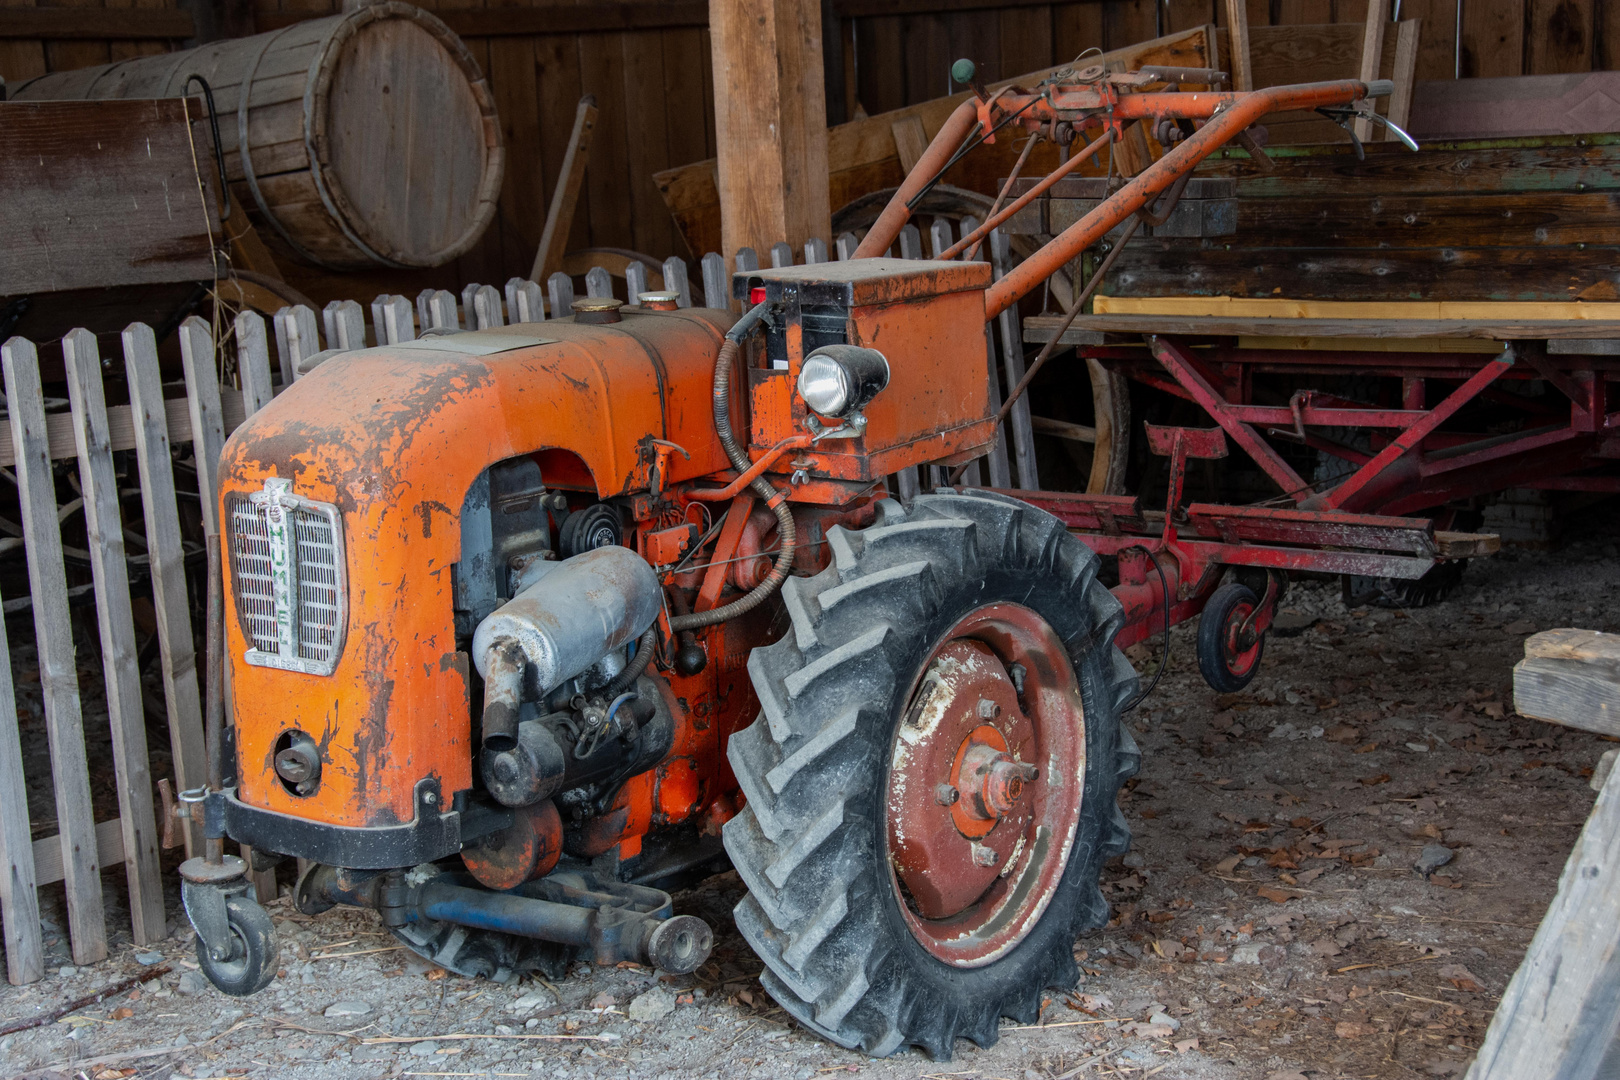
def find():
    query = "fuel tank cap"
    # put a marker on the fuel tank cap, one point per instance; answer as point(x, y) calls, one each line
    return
point(597, 309)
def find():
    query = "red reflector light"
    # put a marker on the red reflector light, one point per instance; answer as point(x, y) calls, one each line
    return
point(756, 295)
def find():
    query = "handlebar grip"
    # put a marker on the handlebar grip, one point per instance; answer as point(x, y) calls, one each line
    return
point(1380, 88)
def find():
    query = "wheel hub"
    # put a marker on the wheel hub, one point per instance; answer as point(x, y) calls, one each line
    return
point(985, 783)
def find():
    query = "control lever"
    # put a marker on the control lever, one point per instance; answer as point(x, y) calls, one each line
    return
point(1363, 110)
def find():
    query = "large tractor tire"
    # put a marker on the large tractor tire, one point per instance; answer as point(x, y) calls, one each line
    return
point(932, 780)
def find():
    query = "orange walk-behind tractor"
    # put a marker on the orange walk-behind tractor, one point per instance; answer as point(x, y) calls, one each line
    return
point(524, 625)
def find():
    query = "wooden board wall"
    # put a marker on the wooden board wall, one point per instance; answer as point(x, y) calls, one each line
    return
point(648, 64)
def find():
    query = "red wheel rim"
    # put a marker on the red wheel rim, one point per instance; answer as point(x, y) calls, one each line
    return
point(1239, 660)
point(985, 785)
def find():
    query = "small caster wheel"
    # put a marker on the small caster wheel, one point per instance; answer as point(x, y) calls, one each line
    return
point(1227, 657)
point(254, 957)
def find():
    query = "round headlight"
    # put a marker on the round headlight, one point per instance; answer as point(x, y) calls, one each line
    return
point(824, 385)
point(838, 380)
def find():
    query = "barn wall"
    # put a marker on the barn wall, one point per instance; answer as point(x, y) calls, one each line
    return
point(654, 86)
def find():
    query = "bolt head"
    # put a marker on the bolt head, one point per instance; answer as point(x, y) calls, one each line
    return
point(988, 710)
point(945, 794)
point(984, 855)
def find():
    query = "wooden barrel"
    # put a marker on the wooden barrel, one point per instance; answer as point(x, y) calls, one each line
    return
point(363, 139)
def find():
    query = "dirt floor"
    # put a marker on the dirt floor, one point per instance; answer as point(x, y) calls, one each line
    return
point(1269, 922)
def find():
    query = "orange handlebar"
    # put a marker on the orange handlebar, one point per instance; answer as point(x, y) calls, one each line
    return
point(1227, 114)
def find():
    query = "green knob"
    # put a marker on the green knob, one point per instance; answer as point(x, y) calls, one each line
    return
point(963, 71)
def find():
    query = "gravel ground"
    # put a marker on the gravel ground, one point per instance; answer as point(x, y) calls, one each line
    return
point(1268, 923)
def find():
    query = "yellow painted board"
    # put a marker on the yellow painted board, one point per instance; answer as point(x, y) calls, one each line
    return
point(1282, 308)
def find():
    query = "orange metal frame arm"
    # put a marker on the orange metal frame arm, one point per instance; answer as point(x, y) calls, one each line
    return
point(1226, 115)
point(1237, 112)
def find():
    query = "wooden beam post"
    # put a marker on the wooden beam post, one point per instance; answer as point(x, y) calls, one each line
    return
point(1237, 43)
point(770, 121)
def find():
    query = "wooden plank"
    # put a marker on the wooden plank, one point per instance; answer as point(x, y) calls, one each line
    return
point(1570, 677)
point(565, 196)
point(647, 141)
point(685, 55)
point(910, 141)
point(177, 658)
point(1524, 105)
point(1087, 328)
point(548, 19)
point(608, 182)
point(1560, 36)
point(107, 24)
point(58, 676)
point(96, 194)
point(1493, 39)
point(514, 82)
point(104, 535)
point(1571, 163)
point(1508, 274)
point(770, 123)
point(19, 878)
point(121, 424)
point(1372, 54)
point(1356, 220)
point(47, 850)
point(1557, 1017)
point(1399, 109)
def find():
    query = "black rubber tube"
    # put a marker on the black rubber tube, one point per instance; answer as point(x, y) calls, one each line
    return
point(632, 671)
point(786, 531)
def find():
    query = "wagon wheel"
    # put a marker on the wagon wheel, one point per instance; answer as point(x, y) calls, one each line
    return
point(931, 784)
point(1101, 460)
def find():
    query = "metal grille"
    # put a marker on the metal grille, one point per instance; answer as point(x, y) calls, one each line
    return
point(286, 558)
point(250, 562)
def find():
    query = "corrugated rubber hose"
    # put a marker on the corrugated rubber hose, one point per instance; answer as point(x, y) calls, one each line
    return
point(730, 349)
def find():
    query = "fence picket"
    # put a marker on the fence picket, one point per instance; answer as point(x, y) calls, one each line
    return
point(296, 339)
point(19, 889)
point(716, 282)
point(104, 531)
point(781, 254)
point(345, 325)
point(524, 301)
point(598, 282)
point(58, 676)
point(747, 260)
point(440, 308)
point(676, 281)
point(177, 657)
point(910, 242)
point(939, 236)
point(253, 361)
point(560, 290)
point(391, 320)
point(485, 310)
point(847, 243)
point(1012, 351)
point(815, 251)
point(635, 282)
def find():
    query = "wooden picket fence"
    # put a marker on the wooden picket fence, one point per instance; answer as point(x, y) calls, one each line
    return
point(153, 426)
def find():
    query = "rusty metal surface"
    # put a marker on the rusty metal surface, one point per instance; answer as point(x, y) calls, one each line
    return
point(982, 798)
point(523, 851)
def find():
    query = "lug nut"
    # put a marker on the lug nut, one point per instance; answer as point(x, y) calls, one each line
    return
point(988, 710)
point(945, 794)
point(984, 855)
